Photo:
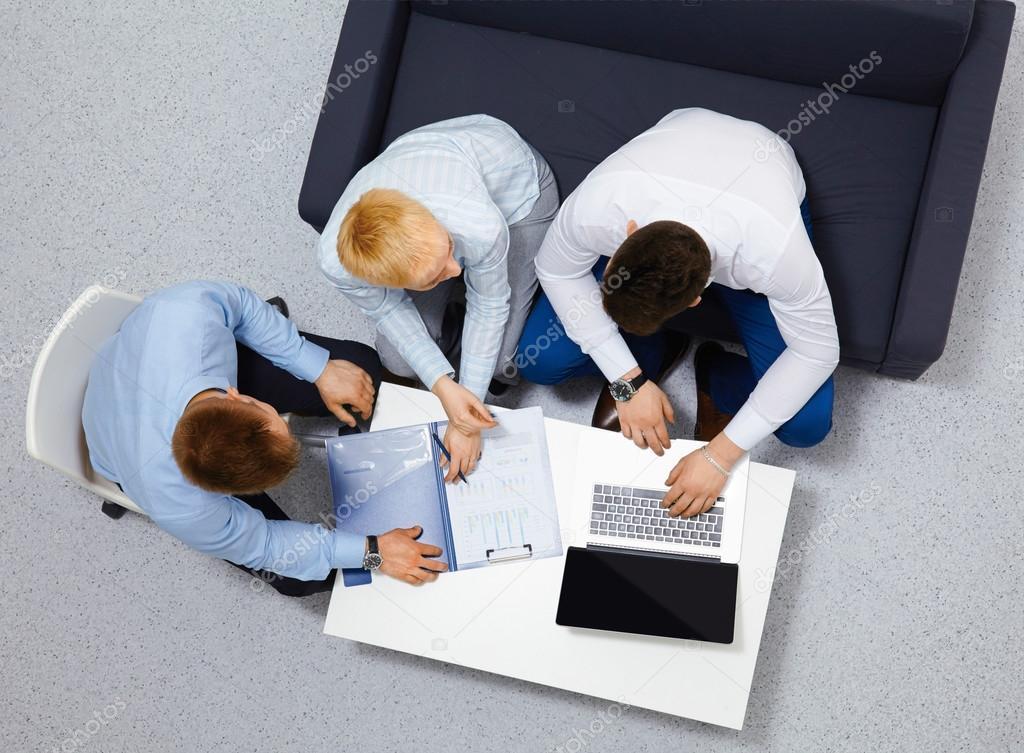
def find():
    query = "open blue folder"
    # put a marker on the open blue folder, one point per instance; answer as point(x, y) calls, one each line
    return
point(392, 479)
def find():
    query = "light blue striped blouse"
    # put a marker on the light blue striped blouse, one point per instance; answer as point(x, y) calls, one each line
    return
point(477, 176)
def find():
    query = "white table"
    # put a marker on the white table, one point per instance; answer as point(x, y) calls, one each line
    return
point(501, 619)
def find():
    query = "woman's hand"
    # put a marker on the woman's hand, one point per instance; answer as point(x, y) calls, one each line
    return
point(465, 411)
point(465, 452)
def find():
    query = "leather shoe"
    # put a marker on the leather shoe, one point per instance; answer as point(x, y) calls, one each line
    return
point(710, 421)
point(278, 303)
point(605, 416)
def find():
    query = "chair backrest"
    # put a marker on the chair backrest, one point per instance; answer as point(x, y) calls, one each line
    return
point(53, 419)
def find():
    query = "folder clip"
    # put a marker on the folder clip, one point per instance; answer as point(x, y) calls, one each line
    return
point(509, 553)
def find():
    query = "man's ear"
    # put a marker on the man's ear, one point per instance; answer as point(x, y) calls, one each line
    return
point(631, 227)
point(233, 394)
point(695, 303)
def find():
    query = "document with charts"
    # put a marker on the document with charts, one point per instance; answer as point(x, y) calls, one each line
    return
point(506, 510)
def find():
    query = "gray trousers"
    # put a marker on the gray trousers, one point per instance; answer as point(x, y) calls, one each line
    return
point(524, 239)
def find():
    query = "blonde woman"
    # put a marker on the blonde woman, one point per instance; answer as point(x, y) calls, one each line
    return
point(461, 203)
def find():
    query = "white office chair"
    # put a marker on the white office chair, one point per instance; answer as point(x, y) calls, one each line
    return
point(53, 419)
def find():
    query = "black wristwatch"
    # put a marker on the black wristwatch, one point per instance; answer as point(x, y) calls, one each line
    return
point(372, 559)
point(624, 389)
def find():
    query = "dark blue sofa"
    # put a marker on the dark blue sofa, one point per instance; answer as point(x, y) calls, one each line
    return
point(892, 169)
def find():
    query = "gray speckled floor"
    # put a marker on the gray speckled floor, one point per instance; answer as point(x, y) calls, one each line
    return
point(126, 154)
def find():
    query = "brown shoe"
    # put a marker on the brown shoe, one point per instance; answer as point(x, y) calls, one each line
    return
point(605, 416)
point(710, 421)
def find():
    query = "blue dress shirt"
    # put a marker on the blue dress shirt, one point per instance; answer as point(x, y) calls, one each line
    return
point(176, 344)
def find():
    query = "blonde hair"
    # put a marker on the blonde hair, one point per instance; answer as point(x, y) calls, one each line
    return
point(385, 237)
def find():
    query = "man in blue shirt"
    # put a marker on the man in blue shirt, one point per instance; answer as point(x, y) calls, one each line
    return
point(182, 410)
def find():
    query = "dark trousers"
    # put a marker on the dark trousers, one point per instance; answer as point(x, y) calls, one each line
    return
point(259, 378)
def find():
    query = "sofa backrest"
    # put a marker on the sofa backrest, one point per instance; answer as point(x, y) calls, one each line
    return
point(811, 42)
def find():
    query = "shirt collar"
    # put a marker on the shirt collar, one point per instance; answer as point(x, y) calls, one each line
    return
point(193, 387)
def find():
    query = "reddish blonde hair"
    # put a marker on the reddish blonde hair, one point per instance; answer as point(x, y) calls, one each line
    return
point(385, 236)
point(228, 447)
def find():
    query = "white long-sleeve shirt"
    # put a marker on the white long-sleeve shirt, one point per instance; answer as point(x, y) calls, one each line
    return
point(740, 187)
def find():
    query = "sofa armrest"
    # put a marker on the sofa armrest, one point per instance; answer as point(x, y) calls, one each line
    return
point(931, 272)
point(355, 103)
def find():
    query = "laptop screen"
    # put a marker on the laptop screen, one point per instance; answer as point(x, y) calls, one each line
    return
point(649, 594)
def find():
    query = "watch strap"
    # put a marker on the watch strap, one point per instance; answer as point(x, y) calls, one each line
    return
point(372, 558)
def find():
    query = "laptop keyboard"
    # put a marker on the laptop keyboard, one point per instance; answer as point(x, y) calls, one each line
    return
point(632, 513)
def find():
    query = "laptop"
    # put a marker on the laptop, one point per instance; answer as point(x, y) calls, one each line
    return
point(640, 570)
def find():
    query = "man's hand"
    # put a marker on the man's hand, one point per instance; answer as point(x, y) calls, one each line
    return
point(465, 411)
point(643, 417)
point(695, 483)
point(405, 558)
point(343, 383)
point(465, 452)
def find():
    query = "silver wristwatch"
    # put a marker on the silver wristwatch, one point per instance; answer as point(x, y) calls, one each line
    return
point(372, 559)
point(624, 389)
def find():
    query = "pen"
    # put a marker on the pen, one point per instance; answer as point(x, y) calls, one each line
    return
point(444, 450)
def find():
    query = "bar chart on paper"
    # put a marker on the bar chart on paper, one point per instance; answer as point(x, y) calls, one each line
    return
point(500, 529)
point(509, 500)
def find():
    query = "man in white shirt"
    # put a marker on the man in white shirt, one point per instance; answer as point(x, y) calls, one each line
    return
point(699, 204)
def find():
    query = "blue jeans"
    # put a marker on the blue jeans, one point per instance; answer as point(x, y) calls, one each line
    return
point(546, 355)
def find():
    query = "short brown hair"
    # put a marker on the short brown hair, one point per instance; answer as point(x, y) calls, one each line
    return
point(228, 447)
point(658, 271)
point(383, 237)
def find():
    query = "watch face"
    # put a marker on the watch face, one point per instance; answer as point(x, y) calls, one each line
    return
point(373, 561)
point(621, 391)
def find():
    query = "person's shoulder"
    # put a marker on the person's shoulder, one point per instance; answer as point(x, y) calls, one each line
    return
point(168, 497)
point(193, 292)
point(463, 130)
point(327, 257)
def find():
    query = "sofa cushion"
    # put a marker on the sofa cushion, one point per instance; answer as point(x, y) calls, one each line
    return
point(921, 41)
point(864, 161)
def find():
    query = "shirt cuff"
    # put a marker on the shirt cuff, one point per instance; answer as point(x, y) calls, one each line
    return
point(433, 369)
point(311, 361)
point(613, 357)
point(747, 428)
point(349, 549)
point(476, 374)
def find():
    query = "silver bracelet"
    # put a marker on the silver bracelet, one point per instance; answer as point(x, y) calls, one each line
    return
point(715, 464)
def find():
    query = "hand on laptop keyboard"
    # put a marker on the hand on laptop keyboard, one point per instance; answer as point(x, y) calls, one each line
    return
point(695, 484)
point(628, 512)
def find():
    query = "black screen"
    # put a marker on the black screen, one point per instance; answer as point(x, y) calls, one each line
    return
point(650, 594)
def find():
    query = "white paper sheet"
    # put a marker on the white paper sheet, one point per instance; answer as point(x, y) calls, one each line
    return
point(509, 500)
